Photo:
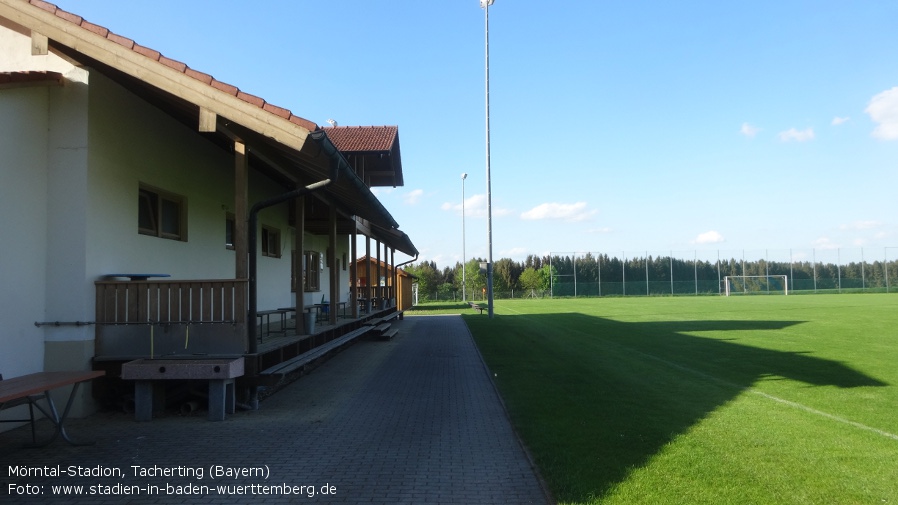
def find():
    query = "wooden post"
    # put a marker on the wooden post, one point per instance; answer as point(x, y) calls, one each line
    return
point(332, 261)
point(368, 287)
point(299, 226)
point(354, 271)
point(241, 236)
point(378, 290)
point(394, 279)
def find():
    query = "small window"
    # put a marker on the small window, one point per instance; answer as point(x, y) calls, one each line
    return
point(161, 214)
point(271, 242)
point(311, 267)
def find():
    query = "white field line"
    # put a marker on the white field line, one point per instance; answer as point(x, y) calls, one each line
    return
point(777, 399)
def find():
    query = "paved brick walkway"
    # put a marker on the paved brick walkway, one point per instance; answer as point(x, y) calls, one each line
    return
point(414, 420)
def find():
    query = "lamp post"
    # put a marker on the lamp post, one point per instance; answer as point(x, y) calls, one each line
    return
point(485, 5)
point(464, 284)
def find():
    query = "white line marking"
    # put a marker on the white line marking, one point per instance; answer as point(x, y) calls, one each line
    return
point(777, 399)
point(825, 414)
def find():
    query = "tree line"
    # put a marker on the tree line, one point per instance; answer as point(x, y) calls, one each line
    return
point(660, 274)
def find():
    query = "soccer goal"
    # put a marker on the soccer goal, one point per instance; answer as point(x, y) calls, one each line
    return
point(756, 284)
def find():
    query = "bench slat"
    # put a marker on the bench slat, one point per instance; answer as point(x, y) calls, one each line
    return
point(26, 385)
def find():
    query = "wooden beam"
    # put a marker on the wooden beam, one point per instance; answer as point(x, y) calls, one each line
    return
point(39, 44)
point(208, 120)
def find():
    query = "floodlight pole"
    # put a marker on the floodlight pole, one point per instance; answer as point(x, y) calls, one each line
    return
point(464, 283)
point(485, 5)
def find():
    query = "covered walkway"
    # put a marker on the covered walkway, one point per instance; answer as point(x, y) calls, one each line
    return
point(412, 420)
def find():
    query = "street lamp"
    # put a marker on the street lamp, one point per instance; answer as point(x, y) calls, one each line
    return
point(485, 5)
point(464, 284)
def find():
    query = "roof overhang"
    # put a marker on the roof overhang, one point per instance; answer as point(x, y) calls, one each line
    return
point(280, 144)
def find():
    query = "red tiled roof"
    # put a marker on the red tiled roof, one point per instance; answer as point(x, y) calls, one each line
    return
point(29, 76)
point(363, 138)
point(174, 64)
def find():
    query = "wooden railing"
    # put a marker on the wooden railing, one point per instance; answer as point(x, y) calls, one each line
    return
point(185, 302)
point(149, 319)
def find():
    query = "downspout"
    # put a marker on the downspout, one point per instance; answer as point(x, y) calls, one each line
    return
point(409, 261)
point(338, 163)
point(396, 277)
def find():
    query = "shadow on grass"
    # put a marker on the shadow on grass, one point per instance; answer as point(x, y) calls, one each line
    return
point(595, 398)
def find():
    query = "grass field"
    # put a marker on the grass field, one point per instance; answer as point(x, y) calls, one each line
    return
point(760, 399)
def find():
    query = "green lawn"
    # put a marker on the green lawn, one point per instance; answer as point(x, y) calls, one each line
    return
point(759, 399)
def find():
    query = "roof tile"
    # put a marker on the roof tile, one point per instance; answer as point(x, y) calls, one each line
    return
point(305, 123)
point(99, 30)
point(29, 76)
point(222, 86)
point(68, 16)
point(253, 99)
point(280, 111)
point(175, 64)
point(200, 76)
point(146, 51)
point(47, 6)
point(363, 138)
point(122, 41)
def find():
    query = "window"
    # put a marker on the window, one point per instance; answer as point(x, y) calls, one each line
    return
point(271, 242)
point(161, 214)
point(311, 266)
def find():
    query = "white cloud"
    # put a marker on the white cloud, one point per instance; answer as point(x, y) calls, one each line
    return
point(709, 237)
point(475, 206)
point(564, 211)
point(840, 120)
point(883, 109)
point(793, 135)
point(413, 196)
point(749, 130)
point(825, 243)
point(516, 253)
point(860, 225)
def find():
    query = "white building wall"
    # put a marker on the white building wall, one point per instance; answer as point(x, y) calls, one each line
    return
point(29, 127)
point(23, 228)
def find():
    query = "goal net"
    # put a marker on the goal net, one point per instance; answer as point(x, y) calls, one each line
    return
point(756, 285)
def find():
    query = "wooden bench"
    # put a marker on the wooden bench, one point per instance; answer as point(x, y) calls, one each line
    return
point(478, 307)
point(29, 389)
point(298, 362)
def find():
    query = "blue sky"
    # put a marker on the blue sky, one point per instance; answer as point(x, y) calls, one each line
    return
point(615, 126)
